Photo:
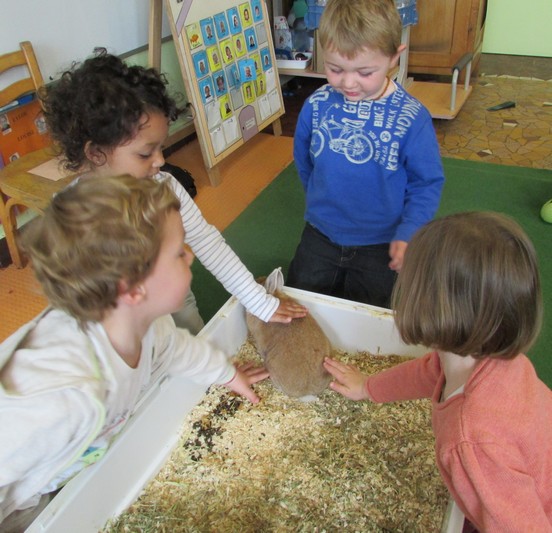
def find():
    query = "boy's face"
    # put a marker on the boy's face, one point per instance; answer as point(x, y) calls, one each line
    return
point(142, 156)
point(169, 282)
point(359, 78)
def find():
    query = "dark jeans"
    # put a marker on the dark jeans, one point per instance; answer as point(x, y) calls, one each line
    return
point(359, 273)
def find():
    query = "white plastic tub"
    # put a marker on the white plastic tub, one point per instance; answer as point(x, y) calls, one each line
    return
point(296, 63)
point(107, 488)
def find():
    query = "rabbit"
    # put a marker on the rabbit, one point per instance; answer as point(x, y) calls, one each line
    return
point(293, 353)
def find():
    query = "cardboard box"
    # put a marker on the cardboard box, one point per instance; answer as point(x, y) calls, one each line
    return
point(22, 130)
point(107, 488)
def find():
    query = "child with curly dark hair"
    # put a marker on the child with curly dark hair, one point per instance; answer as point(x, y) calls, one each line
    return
point(109, 118)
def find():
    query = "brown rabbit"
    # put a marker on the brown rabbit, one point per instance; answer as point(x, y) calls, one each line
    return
point(293, 353)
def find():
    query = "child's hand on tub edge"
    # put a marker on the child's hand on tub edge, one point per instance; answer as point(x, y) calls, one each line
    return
point(349, 380)
point(287, 311)
point(245, 376)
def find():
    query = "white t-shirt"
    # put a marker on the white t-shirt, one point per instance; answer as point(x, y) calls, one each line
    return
point(65, 394)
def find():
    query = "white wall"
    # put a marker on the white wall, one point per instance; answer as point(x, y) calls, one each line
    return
point(63, 31)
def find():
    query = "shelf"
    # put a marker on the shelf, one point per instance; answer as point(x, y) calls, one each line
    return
point(302, 72)
point(309, 73)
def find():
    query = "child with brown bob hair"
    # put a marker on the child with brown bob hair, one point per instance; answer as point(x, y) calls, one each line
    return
point(470, 290)
point(109, 253)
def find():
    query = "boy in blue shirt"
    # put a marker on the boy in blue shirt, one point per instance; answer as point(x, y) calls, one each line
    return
point(367, 157)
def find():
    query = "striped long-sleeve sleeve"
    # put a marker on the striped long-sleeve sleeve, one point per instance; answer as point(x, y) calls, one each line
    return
point(211, 249)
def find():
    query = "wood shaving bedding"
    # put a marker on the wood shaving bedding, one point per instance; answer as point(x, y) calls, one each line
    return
point(284, 465)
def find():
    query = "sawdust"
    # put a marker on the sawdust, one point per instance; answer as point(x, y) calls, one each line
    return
point(284, 465)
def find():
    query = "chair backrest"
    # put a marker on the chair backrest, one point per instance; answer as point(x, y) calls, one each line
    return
point(24, 57)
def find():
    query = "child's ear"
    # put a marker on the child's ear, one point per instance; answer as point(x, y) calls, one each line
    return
point(395, 58)
point(94, 154)
point(131, 295)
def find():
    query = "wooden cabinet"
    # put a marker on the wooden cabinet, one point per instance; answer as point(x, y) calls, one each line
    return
point(446, 30)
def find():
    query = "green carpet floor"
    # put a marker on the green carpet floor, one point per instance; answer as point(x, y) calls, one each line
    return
point(266, 233)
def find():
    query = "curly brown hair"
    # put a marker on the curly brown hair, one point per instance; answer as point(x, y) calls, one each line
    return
point(102, 101)
point(95, 233)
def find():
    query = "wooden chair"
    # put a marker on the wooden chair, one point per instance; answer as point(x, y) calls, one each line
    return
point(16, 182)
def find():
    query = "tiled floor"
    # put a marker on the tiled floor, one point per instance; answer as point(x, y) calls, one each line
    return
point(520, 136)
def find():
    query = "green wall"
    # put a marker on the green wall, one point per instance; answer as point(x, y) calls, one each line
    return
point(518, 27)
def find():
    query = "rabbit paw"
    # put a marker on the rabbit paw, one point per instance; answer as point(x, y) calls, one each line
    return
point(308, 398)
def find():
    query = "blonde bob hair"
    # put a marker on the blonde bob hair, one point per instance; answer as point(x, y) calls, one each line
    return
point(348, 26)
point(95, 233)
point(470, 285)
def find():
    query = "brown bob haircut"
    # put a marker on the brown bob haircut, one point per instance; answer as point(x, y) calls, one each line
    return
point(470, 285)
point(95, 233)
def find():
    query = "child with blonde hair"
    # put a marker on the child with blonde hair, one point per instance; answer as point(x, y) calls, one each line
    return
point(469, 289)
point(110, 256)
point(109, 118)
point(367, 156)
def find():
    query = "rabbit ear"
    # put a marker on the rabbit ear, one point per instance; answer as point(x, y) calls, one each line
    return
point(275, 281)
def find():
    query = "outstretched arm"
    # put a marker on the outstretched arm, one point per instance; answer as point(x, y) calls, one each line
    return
point(413, 379)
point(215, 255)
point(287, 311)
point(349, 380)
point(245, 376)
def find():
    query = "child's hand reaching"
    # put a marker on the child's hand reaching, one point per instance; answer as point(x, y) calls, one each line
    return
point(349, 381)
point(246, 375)
point(396, 253)
point(287, 311)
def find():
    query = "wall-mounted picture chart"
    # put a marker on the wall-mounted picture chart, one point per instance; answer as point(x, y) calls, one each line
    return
point(228, 64)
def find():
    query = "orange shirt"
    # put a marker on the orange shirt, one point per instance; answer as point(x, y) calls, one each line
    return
point(493, 442)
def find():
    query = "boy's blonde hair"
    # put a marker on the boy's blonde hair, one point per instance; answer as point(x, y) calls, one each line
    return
point(470, 285)
point(348, 26)
point(95, 233)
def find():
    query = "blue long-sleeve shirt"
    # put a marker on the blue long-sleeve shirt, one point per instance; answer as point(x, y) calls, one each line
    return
point(371, 170)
